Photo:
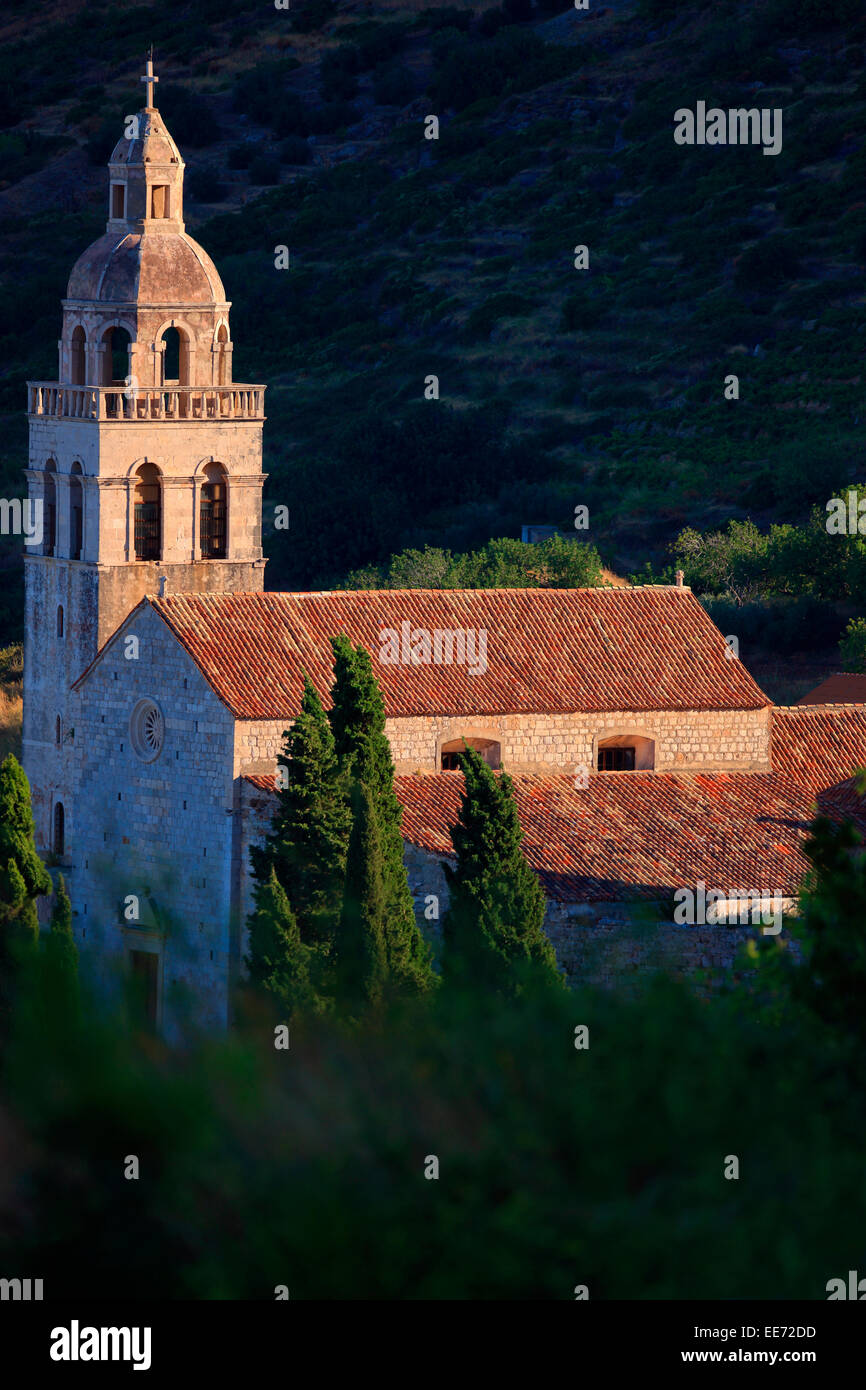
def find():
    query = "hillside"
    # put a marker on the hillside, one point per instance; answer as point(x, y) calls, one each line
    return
point(454, 257)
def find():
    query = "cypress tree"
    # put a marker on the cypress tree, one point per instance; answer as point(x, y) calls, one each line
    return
point(357, 719)
point(308, 837)
point(496, 912)
point(23, 877)
point(360, 965)
point(17, 846)
point(60, 948)
point(278, 960)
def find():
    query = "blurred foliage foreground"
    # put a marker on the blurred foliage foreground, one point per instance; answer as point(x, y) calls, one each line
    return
point(558, 1165)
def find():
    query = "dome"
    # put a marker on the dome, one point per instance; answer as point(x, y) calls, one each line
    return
point(145, 269)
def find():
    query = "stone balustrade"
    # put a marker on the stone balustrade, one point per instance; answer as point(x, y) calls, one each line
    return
point(235, 402)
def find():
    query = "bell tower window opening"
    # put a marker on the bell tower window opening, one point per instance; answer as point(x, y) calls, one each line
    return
point(59, 838)
point(60, 620)
point(212, 515)
point(49, 536)
point(76, 514)
point(222, 355)
point(175, 358)
point(78, 357)
point(115, 358)
point(147, 505)
point(118, 200)
point(160, 200)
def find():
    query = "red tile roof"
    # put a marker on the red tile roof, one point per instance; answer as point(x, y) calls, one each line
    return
point(548, 650)
point(843, 688)
point(642, 834)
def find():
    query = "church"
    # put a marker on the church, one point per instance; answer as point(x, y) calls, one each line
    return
point(160, 676)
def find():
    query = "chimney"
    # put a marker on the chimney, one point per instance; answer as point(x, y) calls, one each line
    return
point(680, 577)
point(162, 585)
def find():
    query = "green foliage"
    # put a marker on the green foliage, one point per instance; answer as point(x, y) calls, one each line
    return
point(767, 264)
point(60, 948)
point(556, 562)
point(513, 60)
point(494, 922)
point(17, 847)
point(357, 718)
point(360, 964)
point(747, 563)
point(311, 15)
point(278, 961)
point(306, 844)
point(853, 646)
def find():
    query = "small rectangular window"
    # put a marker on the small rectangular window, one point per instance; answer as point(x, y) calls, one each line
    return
point(616, 760)
point(118, 200)
point(159, 200)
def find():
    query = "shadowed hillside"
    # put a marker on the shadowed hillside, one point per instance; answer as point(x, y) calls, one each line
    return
point(454, 257)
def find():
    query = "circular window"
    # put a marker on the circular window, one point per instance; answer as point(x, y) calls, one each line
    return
point(147, 730)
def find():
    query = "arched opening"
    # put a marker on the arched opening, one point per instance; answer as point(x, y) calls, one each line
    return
point(59, 841)
point(115, 358)
point(147, 504)
point(175, 357)
point(626, 753)
point(76, 513)
point(49, 529)
point(60, 620)
point(58, 731)
point(487, 747)
point(78, 357)
point(222, 339)
point(213, 513)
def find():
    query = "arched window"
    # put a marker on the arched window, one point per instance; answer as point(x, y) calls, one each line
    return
point(115, 358)
point(60, 620)
point(49, 528)
point(76, 513)
point(487, 747)
point(222, 355)
point(175, 357)
point(58, 731)
point(78, 357)
point(626, 753)
point(212, 513)
point(147, 503)
point(59, 829)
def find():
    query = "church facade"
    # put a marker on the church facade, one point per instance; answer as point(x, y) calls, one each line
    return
point(160, 677)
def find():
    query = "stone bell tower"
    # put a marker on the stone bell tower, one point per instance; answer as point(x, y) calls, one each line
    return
point(145, 454)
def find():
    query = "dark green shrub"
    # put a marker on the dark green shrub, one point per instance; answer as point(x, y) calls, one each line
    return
point(204, 186)
point(767, 264)
point(295, 150)
point(311, 15)
point(265, 169)
point(393, 85)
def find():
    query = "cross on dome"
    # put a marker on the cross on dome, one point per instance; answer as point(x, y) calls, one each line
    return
point(149, 80)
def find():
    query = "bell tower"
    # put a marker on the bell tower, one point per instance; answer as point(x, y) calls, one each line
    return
point(145, 454)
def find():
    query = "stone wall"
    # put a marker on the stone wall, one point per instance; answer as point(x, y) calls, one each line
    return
point(163, 830)
point(685, 741)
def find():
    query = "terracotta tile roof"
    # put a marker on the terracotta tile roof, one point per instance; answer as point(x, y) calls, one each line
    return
point(642, 834)
point(818, 747)
point(843, 688)
point(548, 650)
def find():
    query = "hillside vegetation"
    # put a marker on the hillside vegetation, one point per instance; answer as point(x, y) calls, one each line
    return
point(455, 257)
